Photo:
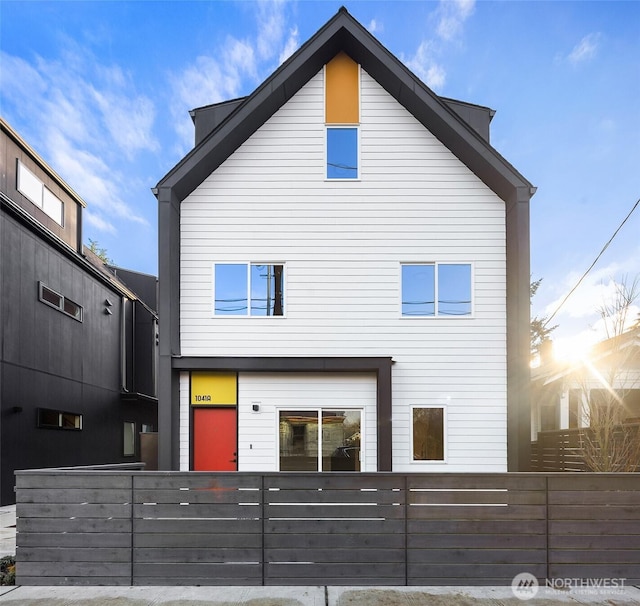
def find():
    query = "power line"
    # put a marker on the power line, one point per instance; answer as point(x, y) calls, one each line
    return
point(584, 275)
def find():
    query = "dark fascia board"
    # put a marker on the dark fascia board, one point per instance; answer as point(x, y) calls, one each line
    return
point(288, 364)
point(344, 33)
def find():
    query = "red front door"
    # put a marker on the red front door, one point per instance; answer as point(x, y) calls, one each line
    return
point(215, 442)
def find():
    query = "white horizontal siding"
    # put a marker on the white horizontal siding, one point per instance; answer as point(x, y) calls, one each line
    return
point(258, 431)
point(342, 244)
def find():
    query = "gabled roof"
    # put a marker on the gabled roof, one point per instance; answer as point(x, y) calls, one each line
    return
point(344, 33)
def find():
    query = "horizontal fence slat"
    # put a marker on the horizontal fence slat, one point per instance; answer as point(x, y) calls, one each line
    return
point(336, 541)
point(191, 526)
point(73, 495)
point(477, 556)
point(482, 512)
point(497, 541)
point(75, 525)
point(74, 510)
point(190, 555)
point(597, 512)
point(197, 541)
point(75, 539)
point(334, 556)
point(75, 554)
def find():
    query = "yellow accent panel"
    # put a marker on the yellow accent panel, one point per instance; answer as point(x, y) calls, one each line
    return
point(342, 95)
point(214, 388)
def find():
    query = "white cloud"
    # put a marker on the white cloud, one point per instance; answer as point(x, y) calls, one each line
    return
point(374, 27)
point(233, 69)
point(271, 27)
point(291, 45)
point(99, 222)
point(424, 65)
point(91, 177)
point(451, 17)
point(84, 118)
point(586, 49)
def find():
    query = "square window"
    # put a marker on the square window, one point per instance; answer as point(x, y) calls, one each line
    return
point(428, 433)
point(436, 289)
point(342, 153)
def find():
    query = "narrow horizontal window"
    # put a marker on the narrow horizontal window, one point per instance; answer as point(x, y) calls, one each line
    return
point(428, 433)
point(436, 289)
point(57, 419)
point(61, 303)
point(342, 153)
point(242, 289)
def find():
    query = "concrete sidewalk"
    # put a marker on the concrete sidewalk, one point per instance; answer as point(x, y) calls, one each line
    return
point(306, 596)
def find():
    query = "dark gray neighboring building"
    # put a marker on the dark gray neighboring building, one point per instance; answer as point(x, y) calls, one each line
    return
point(77, 345)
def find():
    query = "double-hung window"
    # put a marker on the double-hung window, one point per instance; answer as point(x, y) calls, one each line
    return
point(248, 289)
point(436, 289)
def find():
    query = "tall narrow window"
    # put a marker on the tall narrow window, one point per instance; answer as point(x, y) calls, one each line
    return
point(230, 285)
point(129, 439)
point(342, 117)
point(342, 153)
point(428, 433)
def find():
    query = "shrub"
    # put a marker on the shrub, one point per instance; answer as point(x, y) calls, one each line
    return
point(8, 570)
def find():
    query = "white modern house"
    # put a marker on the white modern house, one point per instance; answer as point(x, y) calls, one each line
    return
point(344, 277)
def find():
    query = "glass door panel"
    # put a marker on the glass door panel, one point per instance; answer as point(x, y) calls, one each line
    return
point(298, 440)
point(341, 434)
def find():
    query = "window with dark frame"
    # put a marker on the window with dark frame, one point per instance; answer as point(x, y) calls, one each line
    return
point(60, 302)
point(57, 419)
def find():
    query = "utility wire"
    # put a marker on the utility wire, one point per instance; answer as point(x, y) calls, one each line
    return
point(584, 275)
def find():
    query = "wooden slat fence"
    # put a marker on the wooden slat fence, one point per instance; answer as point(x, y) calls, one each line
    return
point(564, 449)
point(196, 528)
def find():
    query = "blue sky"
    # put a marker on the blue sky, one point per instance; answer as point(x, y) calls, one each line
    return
point(102, 89)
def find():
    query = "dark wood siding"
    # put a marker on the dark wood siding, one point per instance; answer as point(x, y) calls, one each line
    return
point(50, 360)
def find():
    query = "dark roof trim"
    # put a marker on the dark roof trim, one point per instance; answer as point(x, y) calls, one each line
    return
point(344, 33)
